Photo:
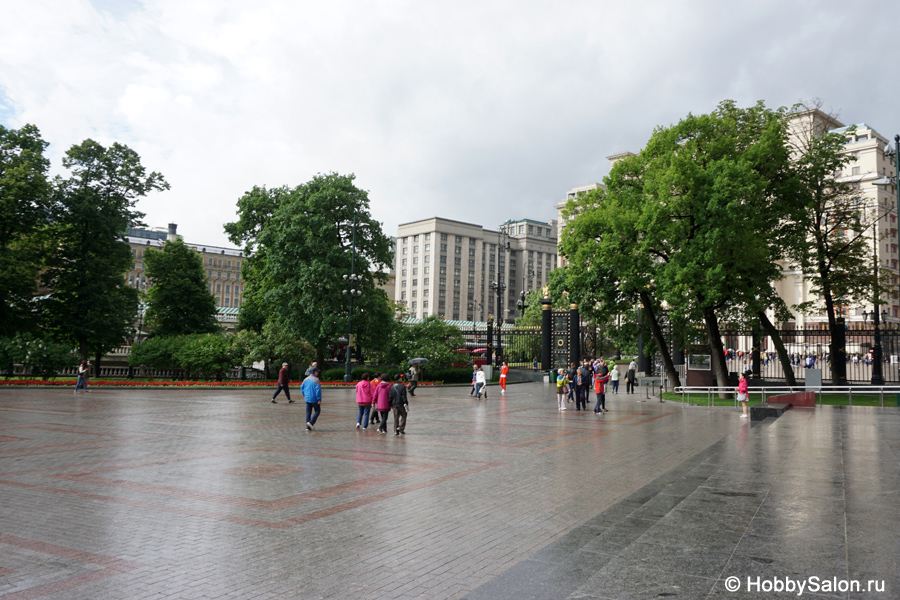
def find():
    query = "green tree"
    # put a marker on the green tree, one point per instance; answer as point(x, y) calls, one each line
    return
point(179, 301)
point(433, 338)
point(205, 355)
point(298, 241)
point(24, 217)
point(156, 353)
point(837, 228)
point(90, 305)
point(273, 345)
point(40, 355)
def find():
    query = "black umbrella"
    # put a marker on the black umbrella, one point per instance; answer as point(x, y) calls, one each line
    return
point(417, 361)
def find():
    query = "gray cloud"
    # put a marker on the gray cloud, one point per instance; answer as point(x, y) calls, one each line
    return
point(477, 111)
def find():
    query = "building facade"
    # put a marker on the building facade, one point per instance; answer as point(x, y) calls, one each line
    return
point(868, 163)
point(223, 265)
point(462, 271)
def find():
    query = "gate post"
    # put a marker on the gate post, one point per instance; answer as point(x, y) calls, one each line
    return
point(546, 333)
point(490, 340)
point(574, 334)
point(754, 352)
point(839, 356)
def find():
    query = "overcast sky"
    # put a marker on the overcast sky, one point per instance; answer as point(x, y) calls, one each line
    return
point(476, 111)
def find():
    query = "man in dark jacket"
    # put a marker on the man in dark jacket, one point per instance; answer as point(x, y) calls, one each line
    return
point(399, 405)
point(284, 380)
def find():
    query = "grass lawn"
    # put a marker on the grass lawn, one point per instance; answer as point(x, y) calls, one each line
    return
point(861, 399)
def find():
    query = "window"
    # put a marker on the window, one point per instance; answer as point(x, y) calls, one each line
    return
point(456, 272)
point(443, 237)
point(521, 230)
point(218, 287)
point(471, 241)
point(502, 259)
point(540, 231)
point(403, 283)
point(415, 270)
point(404, 250)
point(443, 270)
point(415, 293)
point(492, 257)
point(443, 281)
point(500, 269)
point(403, 295)
point(427, 270)
point(442, 304)
point(442, 293)
point(415, 238)
point(443, 247)
point(443, 258)
point(415, 249)
point(425, 305)
point(427, 258)
point(491, 268)
point(471, 285)
point(456, 283)
point(457, 261)
point(530, 229)
point(458, 250)
point(471, 251)
point(426, 283)
point(855, 171)
point(414, 305)
point(403, 273)
point(493, 247)
point(425, 293)
point(427, 236)
point(459, 239)
point(471, 264)
point(415, 260)
point(404, 262)
point(415, 282)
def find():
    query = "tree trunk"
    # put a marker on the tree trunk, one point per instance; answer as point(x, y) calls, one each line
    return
point(783, 357)
point(655, 330)
point(716, 348)
point(97, 365)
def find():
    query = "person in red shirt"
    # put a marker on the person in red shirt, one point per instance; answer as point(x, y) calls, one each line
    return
point(503, 371)
point(284, 380)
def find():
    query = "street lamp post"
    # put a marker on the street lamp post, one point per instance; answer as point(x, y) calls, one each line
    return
point(877, 356)
point(350, 281)
point(894, 155)
point(500, 289)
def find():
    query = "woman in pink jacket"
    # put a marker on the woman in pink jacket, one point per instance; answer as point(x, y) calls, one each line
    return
point(383, 402)
point(741, 390)
point(364, 396)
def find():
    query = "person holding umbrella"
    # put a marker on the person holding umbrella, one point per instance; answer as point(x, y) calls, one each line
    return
point(414, 374)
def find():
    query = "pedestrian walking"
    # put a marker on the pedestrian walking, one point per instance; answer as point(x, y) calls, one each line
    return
point(503, 371)
point(413, 379)
point(382, 402)
point(562, 390)
point(474, 377)
point(312, 392)
point(284, 381)
point(580, 384)
point(399, 405)
point(365, 394)
point(741, 390)
point(571, 374)
point(312, 365)
point(480, 382)
point(614, 378)
point(82, 377)
point(630, 379)
point(600, 388)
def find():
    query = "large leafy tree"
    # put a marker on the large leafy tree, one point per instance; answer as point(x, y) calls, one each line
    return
point(90, 305)
point(299, 243)
point(24, 217)
point(180, 302)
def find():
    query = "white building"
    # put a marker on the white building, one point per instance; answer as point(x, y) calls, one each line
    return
point(447, 268)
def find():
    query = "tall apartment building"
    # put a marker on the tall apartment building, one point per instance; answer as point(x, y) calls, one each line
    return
point(223, 265)
point(868, 163)
point(575, 192)
point(445, 267)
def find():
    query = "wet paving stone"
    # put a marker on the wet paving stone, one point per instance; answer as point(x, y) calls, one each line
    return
point(169, 494)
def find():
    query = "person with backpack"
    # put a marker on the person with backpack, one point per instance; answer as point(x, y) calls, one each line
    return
point(399, 405)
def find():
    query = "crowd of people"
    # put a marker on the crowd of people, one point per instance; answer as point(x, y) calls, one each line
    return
point(574, 385)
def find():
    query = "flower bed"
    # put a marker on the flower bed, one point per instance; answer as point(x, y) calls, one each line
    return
point(128, 383)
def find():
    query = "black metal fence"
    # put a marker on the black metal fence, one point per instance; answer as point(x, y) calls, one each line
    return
point(810, 349)
point(519, 346)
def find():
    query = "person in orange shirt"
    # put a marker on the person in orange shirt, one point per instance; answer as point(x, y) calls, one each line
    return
point(503, 371)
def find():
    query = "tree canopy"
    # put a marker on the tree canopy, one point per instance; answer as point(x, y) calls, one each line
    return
point(90, 305)
point(298, 241)
point(179, 300)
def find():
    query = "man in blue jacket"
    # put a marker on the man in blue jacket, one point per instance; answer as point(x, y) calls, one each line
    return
point(312, 392)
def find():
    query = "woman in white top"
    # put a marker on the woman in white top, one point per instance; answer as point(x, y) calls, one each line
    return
point(82, 376)
point(480, 382)
point(614, 378)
